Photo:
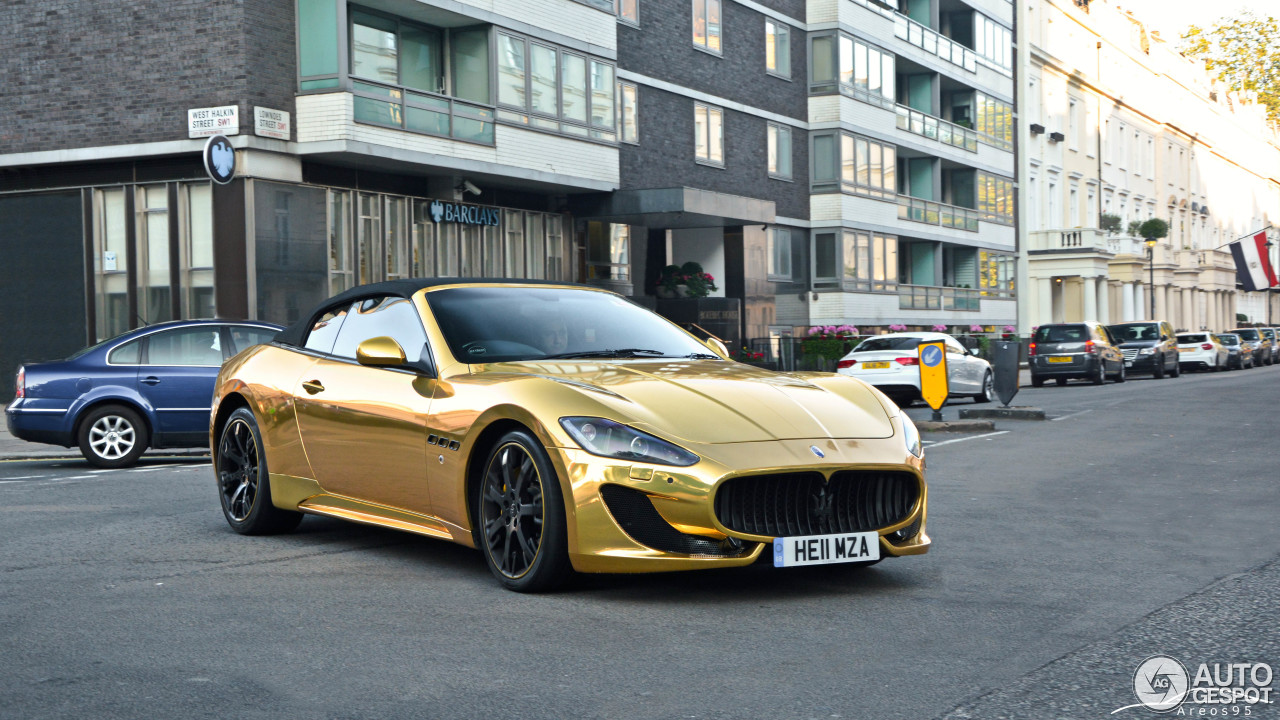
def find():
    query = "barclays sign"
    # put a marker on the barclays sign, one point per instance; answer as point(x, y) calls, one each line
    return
point(465, 214)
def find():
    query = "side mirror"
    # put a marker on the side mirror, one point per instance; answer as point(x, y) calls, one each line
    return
point(974, 351)
point(717, 347)
point(380, 352)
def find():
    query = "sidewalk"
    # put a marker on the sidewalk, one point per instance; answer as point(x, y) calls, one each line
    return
point(11, 448)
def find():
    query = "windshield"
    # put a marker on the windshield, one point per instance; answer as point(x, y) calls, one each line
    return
point(1247, 334)
point(1268, 333)
point(899, 342)
point(1136, 332)
point(1062, 334)
point(505, 324)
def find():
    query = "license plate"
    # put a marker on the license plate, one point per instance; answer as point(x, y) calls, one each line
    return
point(1128, 363)
point(1059, 359)
point(826, 549)
point(875, 365)
point(1186, 349)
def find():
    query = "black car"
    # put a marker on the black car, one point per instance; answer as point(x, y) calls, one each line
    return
point(1074, 350)
point(1149, 347)
point(1261, 345)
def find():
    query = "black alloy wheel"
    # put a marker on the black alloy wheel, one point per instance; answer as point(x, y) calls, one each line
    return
point(1120, 375)
point(244, 484)
point(1100, 377)
point(1159, 371)
point(1177, 368)
point(988, 389)
point(521, 516)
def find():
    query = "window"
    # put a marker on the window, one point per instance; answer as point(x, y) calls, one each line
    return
point(552, 89)
point(197, 252)
point(868, 167)
point(708, 134)
point(995, 199)
point(325, 330)
point(111, 277)
point(824, 259)
point(1073, 125)
point(777, 48)
point(996, 273)
point(779, 240)
point(994, 121)
point(198, 346)
point(992, 41)
point(863, 71)
point(392, 317)
point(627, 11)
point(706, 25)
point(245, 336)
point(340, 275)
point(869, 261)
point(628, 130)
point(779, 151)
point(129, 353)
point(154, 292)
point(608, 251)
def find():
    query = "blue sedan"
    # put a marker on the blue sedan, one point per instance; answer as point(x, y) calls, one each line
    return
point(150, 387)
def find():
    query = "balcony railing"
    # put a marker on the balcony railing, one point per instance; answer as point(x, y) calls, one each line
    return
point(930, 297)
point(1076, 239)
point(426, 113)
point(934, 213)
point(931, 42)
point(936, 128)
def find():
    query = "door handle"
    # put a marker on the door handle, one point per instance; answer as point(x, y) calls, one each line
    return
point(151, 380)
point(313, 386)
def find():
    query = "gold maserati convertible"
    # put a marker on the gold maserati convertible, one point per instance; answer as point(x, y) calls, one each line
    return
point(557, 428)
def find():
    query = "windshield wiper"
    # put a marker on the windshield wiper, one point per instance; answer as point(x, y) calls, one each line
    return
point(621, 352)
point(703, 356)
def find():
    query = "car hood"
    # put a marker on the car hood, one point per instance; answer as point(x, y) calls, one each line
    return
point(709, 401)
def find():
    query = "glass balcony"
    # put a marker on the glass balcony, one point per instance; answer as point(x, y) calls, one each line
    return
point(929, 297)
point(934, 213)
point(425, 113)
point(931, 42)
point(936, 128)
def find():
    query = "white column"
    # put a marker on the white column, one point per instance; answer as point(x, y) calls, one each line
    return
point(1188, 310)
point(1044, 301)
point(1215, 313)
point(1104, 301)
point(1162, 307)
point(1232, 309)
point(1139, 301)
point(1090, 293)
point(1126, 299)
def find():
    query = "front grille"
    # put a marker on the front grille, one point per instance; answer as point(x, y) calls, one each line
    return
point(1129, 353)
point(804, 504)
point(640, 520)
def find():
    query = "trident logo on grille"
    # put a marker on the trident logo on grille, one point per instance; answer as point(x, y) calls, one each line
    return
point(822, 506)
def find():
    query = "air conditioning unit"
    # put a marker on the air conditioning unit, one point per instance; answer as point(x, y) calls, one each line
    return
point(1037, 129)
point(1056, 137)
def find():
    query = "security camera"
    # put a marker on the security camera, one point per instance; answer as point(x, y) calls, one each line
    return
point(470, 187)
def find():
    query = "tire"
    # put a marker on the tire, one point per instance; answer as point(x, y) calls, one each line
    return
point(1061, 381)
point(112, 436)
point(1037, 381)
point(988, 389)
point(518, 483)
point(1100, 377)
point(1177, 370)
point(1120, 375)
point(244, 484)
point(1159, 371)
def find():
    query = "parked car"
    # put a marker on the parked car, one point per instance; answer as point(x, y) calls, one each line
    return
point(1239, 353)
point(1148, 347)
point(1272, 340)
point(1202, 351)
point(1260, 348)
point(1074, 350)
point(890, 362)
point(150, 387)
point(555, 428)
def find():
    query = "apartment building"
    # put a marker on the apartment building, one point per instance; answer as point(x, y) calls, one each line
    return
point(1120, 128)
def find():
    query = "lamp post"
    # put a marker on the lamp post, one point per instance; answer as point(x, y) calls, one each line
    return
point(1151, 262)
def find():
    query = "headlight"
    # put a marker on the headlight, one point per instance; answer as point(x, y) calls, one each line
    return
point(1147, 351)
point(610, 439)
point(911, 436)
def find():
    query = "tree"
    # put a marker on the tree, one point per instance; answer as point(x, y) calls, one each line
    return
point(1153, 228)
point(1242, 52)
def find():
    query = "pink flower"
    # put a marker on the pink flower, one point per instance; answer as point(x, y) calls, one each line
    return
point(939, 328)
point(975, 328)
point(897, 328)
point(1009, 329)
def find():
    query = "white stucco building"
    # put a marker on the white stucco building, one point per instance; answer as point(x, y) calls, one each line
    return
point(1115, 122)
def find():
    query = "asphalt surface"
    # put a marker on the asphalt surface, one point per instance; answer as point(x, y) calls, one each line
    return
point(1140, 520)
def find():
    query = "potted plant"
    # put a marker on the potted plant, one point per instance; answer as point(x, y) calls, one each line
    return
point(828, 343)
point(686, 280)
point(1110, 224)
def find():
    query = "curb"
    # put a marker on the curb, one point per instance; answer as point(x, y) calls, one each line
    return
point(1006, 413)
point(956, 426)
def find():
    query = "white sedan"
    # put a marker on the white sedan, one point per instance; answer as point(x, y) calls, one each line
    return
point(891, 363)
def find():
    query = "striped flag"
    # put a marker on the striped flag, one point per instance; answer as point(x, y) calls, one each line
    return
point(1253, 264)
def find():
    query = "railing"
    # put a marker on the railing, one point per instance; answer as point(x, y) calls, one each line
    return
point(1083, 239)
point(930, 297)
point(425, 113)
point(931, 42)
point(933, 213)
point(936, 128)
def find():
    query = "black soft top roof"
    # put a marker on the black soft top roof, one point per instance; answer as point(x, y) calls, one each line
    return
point(297, 332)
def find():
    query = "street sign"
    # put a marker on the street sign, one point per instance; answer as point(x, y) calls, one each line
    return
point(270, 123)
point(220, 159)
point(204, 122)
point(933, 373)
point(1004, 362)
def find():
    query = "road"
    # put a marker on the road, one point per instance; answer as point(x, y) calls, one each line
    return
point(1140, 520)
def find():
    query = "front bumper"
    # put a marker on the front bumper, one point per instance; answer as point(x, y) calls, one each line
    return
point(681, 512)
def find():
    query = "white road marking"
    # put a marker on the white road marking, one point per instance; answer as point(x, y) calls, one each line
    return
point(149, 469)
point(1064, 417)
point(972, 437)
